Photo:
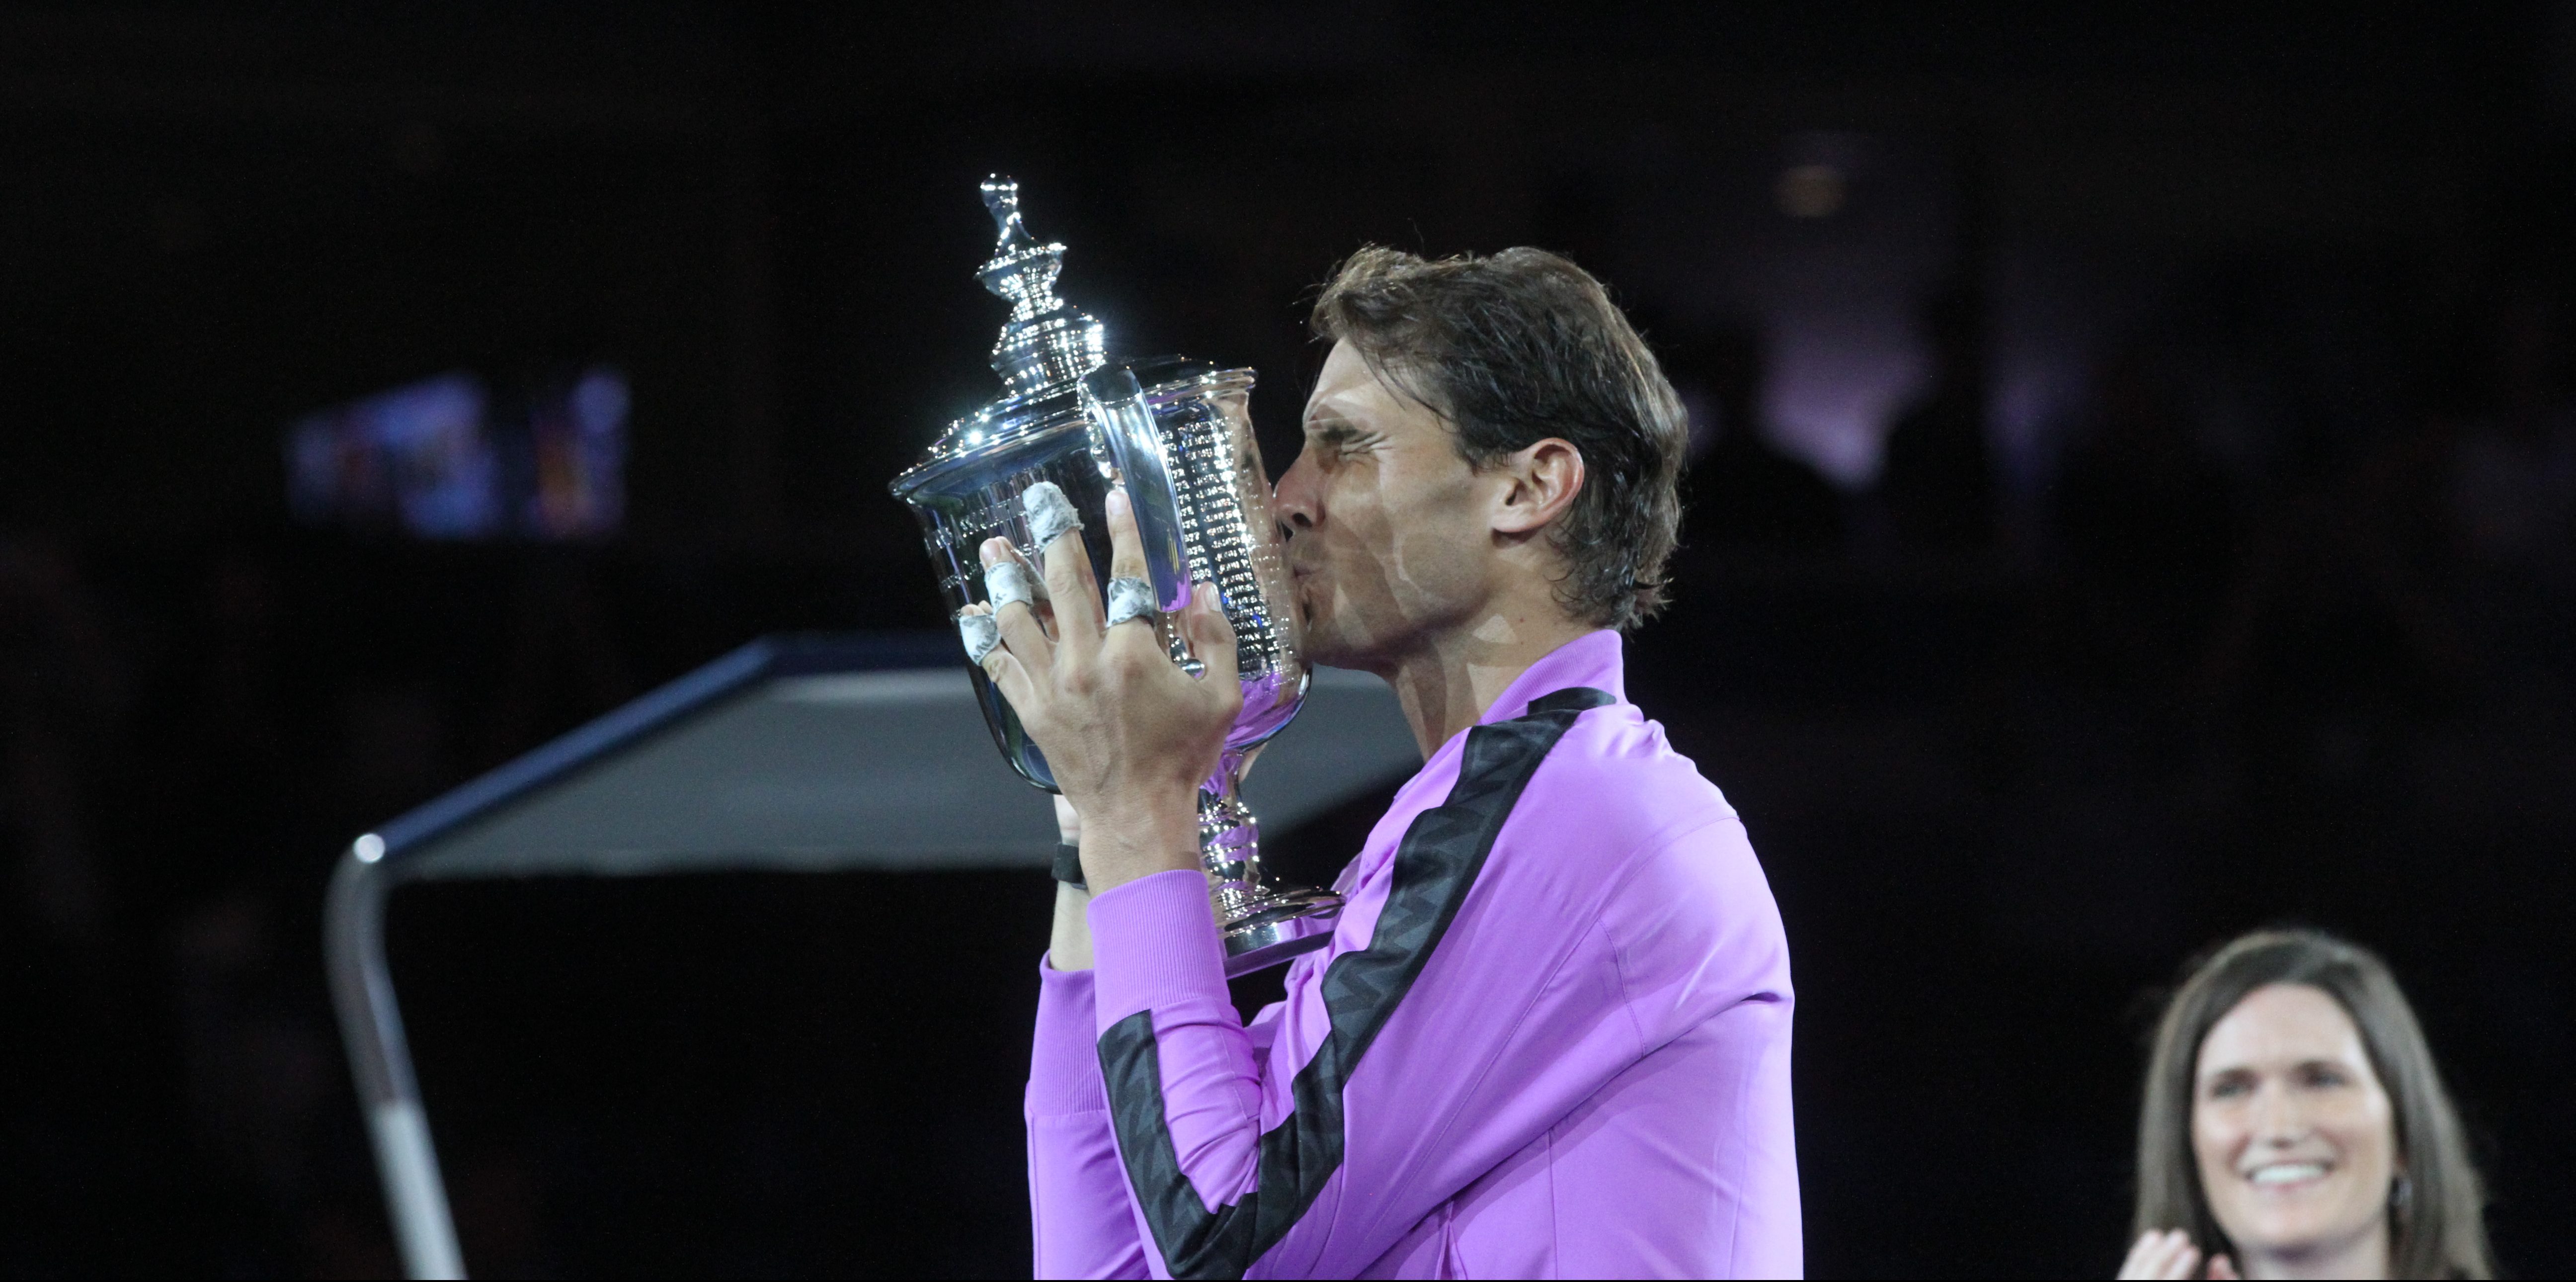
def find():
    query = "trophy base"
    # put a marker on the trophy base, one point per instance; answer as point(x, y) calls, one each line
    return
point(1263, 926)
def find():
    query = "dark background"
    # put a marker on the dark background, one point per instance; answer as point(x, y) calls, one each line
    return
point(2139, 459)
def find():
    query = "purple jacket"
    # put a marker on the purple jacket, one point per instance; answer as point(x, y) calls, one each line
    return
point(1550, 1037)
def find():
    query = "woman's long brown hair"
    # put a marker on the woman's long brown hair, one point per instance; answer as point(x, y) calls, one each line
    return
point(2437, 1228)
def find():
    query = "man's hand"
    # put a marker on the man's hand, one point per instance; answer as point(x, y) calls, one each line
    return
point(1128, 735)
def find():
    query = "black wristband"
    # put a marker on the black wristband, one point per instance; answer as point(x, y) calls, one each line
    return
point(1068, 865)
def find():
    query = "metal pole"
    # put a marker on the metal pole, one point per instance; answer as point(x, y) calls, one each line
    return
point(353, 945)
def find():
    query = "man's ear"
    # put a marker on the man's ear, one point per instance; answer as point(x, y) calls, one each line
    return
point(1542, 480)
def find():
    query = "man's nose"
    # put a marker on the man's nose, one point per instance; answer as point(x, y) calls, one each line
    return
point(1293, 500)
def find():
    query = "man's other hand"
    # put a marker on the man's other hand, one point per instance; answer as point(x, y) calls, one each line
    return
point(1128, 735)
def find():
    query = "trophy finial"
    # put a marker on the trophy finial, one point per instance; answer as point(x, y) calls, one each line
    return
point(1045, 341)
point(1002, 200)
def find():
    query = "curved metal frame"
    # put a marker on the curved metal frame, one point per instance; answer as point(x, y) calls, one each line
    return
point(379, 862)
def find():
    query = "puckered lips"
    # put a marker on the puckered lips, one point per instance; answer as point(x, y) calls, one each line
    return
point(1297, 575)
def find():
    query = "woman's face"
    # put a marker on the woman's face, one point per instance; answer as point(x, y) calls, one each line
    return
point(2291, 1127)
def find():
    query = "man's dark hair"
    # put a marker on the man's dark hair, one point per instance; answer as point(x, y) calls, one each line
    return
point(1513, 349)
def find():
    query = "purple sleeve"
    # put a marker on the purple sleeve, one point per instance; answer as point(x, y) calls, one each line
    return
point(1080, 1219)
point(1155, 945)
point(1474, 1077)
point(1450, 1105)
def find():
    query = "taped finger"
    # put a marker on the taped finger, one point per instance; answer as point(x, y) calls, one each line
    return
point(1050, 513)
point(1008, 582)
point(980, 631)
point(1130, 598)
point(1073, 594)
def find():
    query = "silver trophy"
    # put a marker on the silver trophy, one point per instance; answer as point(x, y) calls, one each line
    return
point(1178, 433)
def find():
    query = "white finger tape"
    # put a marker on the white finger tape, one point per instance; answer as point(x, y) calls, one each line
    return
point(1129, 599)
point(981, 632)
point(1050, 512)
point(1009, 581)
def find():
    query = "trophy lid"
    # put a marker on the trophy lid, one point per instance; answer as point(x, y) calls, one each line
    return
point(1045, 347)
point(1046, 341)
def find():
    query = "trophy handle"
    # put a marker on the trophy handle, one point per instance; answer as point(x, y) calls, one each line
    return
point(1116, 404)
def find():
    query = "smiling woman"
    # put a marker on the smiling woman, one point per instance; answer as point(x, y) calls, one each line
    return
point(2295, 1126)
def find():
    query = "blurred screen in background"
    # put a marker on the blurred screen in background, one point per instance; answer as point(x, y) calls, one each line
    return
point(444, 459)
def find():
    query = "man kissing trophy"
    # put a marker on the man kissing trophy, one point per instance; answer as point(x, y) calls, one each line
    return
point(1547, 1031)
